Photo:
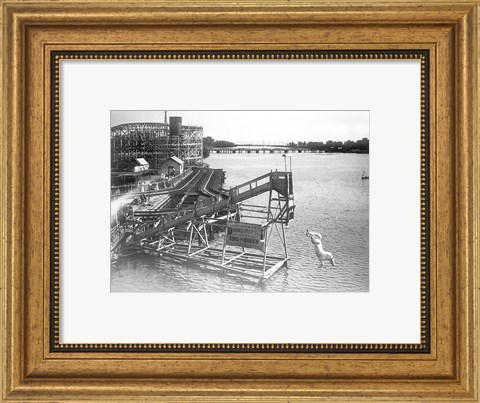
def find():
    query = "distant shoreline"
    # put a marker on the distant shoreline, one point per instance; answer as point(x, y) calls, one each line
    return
point(289, 152)
point(212, 146)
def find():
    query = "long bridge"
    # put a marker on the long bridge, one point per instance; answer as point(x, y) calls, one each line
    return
point(258, 149)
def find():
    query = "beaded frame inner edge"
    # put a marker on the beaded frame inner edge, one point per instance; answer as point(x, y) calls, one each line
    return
point(57, 346)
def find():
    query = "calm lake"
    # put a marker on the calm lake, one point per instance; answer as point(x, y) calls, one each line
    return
point(330, 197)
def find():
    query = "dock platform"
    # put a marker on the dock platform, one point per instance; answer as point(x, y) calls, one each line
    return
point(180, 230)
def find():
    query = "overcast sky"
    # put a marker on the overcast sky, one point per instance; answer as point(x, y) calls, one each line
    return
point(259, 126)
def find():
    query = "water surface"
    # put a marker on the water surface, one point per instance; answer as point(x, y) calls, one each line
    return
point(330, 198)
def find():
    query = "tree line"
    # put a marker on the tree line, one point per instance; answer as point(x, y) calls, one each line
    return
point(209, 143)
point(334, 146)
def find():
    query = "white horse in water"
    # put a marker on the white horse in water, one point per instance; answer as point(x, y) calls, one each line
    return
point(316, 239)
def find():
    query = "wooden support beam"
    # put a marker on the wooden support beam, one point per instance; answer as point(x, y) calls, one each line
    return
point(198, 251)
point(233, 258)
point(273, 269)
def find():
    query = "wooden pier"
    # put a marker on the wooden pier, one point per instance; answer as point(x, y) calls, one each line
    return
point(249, 267)
point(183, 234)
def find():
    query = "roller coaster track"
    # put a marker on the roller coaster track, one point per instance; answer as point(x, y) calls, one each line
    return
point(188, 177)
point(278, 181)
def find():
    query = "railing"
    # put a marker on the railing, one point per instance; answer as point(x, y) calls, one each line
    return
point(250, 185)
point(115, 232)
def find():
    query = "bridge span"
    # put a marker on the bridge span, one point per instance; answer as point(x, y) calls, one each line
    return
point(260, 149)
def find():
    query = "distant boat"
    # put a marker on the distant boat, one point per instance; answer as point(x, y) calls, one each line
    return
point(364, 176)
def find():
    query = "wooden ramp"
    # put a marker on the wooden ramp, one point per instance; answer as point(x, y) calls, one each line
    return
point(279, 181)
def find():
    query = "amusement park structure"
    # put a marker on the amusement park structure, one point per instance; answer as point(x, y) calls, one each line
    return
point(156, 142)
point(229, 231)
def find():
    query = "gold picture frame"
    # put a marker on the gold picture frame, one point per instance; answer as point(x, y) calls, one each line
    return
point(35, 368)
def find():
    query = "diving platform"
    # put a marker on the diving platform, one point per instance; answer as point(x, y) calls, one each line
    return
point(249, 268)
point(244, 229)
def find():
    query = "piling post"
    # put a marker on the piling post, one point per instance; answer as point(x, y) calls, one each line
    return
point(267, 238)
point(205, 233)
point(226, 230)
point(284, 241)
point(190, 239)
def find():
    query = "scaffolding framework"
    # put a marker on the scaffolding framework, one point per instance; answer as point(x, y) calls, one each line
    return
point(167, 236)
point(153, 142)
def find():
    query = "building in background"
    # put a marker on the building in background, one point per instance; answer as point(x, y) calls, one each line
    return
point(173, 166)
point(156, 143)
point(136, 165)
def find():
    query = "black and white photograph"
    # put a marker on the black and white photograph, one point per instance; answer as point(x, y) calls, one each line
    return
point(239, 201)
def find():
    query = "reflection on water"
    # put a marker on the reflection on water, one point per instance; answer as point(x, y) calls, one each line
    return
point(331, 199)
